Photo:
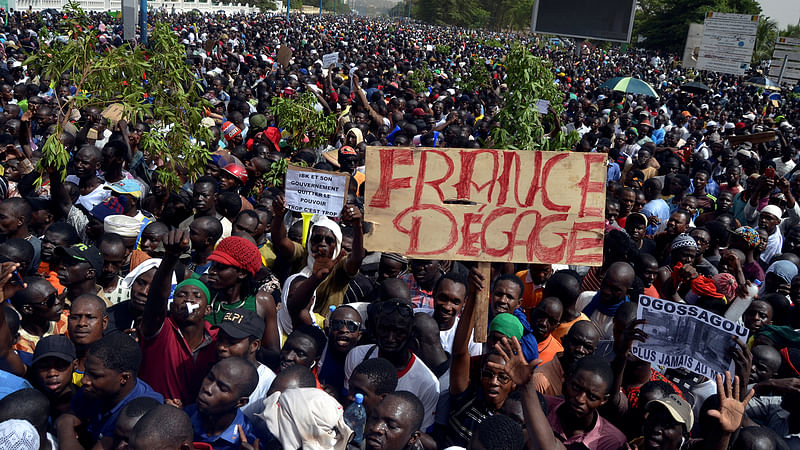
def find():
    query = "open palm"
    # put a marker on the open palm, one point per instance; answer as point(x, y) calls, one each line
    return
point(515, 365)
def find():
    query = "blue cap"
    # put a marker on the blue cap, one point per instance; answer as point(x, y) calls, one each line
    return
point(359, 398)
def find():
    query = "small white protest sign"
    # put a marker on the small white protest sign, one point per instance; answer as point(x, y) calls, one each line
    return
point(329, 59)
point(316, 191)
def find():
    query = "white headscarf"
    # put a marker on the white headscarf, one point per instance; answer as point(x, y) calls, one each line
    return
point(18, 434)
point(306, 418)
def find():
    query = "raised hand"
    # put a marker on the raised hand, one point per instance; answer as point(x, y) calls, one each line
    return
point(731, 409)
point(515, 365)
point(629, 335)
point(176, 242)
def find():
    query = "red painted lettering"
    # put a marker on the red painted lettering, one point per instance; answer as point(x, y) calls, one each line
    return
point(435, 184)
point(506, 251)
point(586, 186)
point(413, 232)
point(535, 246)
point(389, 158)
point(548, 166)
point(575, 244)
point(468, 237)
point(465, 183)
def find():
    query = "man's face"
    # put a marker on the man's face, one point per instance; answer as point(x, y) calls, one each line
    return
point(85, 163)
point(613, 288)
point(791, 242)
point(768, 222)
point(495, 384)
point(86, 322)
point(540, 272)
point(204, 197)
point(140, 289)
point(685, 255)
point(9, 220)
point(689, 204)
point(344, 330)
point(393, 333)
point(113, 258)
point(389, 268)
point(700, 181)
point(724, 201)
point(219, 392)
point(322, 242)
point(227, 346)
point(72, 271)
point(150, 241)
point(636, 230)
point(100, 382)
point(448, 300)
point(50, 241)
point(390, 427)
point(545, 319)
point(425, 271)
point(676, 224)
point(579, 345)
point(649, 273)
point(360, 384)
point(246, 224)
point(661, 430)
point(505, 297)
point(185, 296)
point(758, 315)
point(299, 349)
point(222, 276)
point(53, 375)
point(584, 392)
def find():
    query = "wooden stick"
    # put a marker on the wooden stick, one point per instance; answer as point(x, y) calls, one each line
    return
point(481, 325)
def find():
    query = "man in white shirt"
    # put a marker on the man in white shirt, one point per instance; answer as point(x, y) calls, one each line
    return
point(393, 322)
point(449, 296)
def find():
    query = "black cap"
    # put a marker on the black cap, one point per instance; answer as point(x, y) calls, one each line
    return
point(56, 345)
point(240, 323)
point(83, 252)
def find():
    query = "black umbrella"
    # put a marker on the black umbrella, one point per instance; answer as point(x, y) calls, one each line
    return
point(695, 87)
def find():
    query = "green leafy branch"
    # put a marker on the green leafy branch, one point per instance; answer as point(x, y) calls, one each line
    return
point(300, 118)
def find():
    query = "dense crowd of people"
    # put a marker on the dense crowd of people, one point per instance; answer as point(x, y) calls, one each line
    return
point(209, 316)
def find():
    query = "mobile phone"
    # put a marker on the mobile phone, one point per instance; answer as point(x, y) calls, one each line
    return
point(17, 278)
point(769, 172)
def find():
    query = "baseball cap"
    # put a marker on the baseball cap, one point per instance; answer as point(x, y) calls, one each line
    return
point(56, 345)
point(112, 206)
point(83, 252)
point(240, 323)
point(126, 186)
point(678, 408)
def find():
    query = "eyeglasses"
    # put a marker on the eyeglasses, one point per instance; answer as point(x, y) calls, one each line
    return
point(501, 377)
point(388, 307)
point(317, 238)
point(49, 301)
point(350, 325)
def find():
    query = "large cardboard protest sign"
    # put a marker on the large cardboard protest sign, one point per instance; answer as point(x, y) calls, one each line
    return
point(686, 336)
point(785, 66)
point(487, 205)
point(316, 191)
point(728, 42)
point(691, 51)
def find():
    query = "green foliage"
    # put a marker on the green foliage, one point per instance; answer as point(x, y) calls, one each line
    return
point(478, 77)
point(421, 78)
point(664, 23)
point(276, 175)
point(153, 82)
point(791, 31)
point(443, 49)
point(298, 117)
point(529, 79)
point(766, 35)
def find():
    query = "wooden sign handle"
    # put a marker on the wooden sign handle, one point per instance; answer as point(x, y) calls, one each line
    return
point(481, 325)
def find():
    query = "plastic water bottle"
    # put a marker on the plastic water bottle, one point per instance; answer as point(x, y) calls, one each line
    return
point(356, 418)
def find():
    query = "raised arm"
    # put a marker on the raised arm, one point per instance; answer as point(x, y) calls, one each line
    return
point(459, 368)
point(280, 241)
point(9, 360)
point(176, 243)
point(352, 216)
point(58, 193)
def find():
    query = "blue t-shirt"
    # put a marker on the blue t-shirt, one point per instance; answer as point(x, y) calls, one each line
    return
point(10, 383)
point(228, 439)
point(102, 421)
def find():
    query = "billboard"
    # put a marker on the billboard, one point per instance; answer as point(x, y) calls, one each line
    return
point(610, 20)
point(692, 49)
point(786, 59)
point(728, 42)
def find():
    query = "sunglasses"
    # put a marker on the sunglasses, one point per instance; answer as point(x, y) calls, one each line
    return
point(317, 238)
point(350, 325)
point(388, 307)
point(49, 301)
point(501, 377)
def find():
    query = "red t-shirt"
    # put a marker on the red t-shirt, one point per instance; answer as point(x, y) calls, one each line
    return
point(171, 368)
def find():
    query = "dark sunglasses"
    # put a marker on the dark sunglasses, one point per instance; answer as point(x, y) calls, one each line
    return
point(49, 301)
point(388, 307)
point(350, 325)
point(501, 377)
point(317, 238)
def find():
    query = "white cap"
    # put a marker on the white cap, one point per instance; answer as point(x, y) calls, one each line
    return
point(711, 123)
point(774, 210)
point(124, 226)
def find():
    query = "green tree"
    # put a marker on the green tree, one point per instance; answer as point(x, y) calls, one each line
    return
point(766, 36)
point(529, 79)
point(791, 31)
point(153, 82)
